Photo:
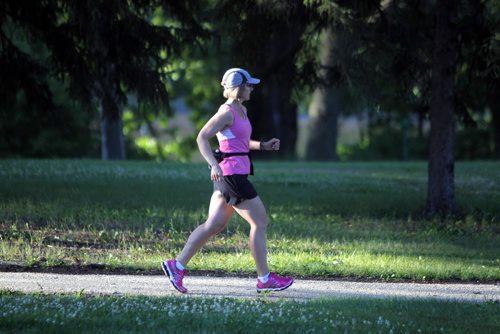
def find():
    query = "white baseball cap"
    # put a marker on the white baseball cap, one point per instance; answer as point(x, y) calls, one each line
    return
point(235, 77)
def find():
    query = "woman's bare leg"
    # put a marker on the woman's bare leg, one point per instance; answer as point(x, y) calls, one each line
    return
point(254, 212)
point(219, 214)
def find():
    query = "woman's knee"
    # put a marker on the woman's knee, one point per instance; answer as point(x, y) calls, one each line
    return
point(215, 226)
point(261, 222)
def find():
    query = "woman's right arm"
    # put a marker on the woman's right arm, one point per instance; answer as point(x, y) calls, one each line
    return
point(219, 121)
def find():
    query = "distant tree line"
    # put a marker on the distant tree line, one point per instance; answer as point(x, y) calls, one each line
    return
point(69, 69)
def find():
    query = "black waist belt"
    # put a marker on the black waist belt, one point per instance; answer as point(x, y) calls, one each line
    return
point(219, 156)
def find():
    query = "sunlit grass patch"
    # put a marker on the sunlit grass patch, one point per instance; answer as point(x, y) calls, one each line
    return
point(357, 220)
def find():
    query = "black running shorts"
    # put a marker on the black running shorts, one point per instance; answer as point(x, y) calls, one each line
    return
point(235, 188)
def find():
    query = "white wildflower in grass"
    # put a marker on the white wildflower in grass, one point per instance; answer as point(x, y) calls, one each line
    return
point(128, 313)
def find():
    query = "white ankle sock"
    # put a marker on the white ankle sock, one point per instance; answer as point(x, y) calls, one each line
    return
point(179, 265)
point(264, 278)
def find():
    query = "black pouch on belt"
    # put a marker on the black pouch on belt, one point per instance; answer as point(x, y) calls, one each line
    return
point(219, 156)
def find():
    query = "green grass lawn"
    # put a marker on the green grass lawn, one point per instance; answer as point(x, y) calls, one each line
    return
point(359, 220)
point(353, 220)
point(117, 314)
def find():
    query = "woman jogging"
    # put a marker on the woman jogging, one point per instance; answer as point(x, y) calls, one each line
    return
point(233, 192)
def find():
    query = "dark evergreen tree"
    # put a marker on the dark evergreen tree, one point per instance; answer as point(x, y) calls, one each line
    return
point(423, 56)
point(266, 38)
point(103, 49)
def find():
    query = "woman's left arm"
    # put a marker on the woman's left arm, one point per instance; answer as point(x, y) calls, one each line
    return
point(270, 145)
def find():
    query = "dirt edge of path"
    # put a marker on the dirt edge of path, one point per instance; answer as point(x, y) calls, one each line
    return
point(101, 269)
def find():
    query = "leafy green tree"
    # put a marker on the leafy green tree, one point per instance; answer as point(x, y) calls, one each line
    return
point(104, 50)
point(408, 56)
point(125, 53)
point(266, 37)
point(478, 74)
point(37, 118)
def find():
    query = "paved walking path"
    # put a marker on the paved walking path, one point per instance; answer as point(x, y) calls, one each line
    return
point(239, 287)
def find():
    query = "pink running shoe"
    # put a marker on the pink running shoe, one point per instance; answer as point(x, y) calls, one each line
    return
point(175, 275)
point(274, 283)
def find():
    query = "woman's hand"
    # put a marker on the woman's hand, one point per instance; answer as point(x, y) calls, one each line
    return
point(270, 145)
point(215, 172)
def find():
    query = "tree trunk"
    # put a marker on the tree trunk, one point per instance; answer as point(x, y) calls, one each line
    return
point(283, 120)
point(322, 129)
point(108, 93)
point(107, 89)
point(441, 187)
point(112, 141)
point(273, 114)
point(404, 142)
point(494, 104)
point(321, 142)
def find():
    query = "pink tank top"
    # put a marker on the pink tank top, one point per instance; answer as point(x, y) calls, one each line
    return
point(235, 138)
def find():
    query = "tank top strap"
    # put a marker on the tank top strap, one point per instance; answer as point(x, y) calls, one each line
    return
point(233, 111)
point(236, 116)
